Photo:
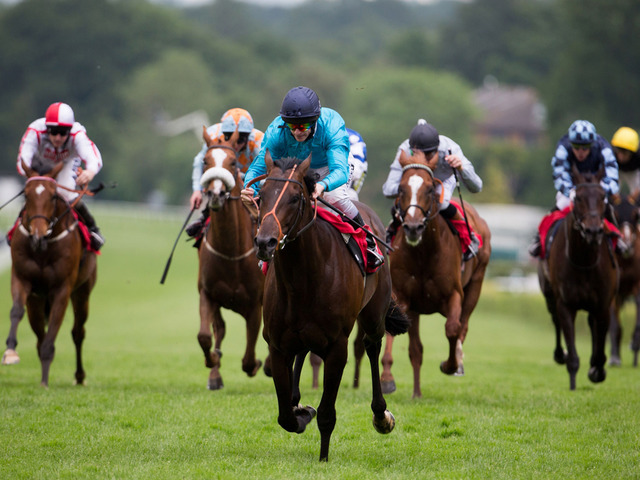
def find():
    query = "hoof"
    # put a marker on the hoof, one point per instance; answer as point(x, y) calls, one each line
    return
point(459, 372)
point(614, 361)
point(215, 384)
point(444, 368)
point(388, 386)
point(10, 357)
point(597, 375)
point(560, 357)
point(255, 369)
point(304, 415)
point(386, 425)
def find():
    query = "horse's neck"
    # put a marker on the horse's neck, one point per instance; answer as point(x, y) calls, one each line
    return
point(577, 248)
point(307, 254)
point(231, 227)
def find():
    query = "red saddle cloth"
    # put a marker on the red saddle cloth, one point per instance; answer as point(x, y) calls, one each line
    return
point(463, 231)
point(551, 218)
point(82, 228)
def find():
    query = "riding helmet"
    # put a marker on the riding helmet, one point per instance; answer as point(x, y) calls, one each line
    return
point(300, 105)
point(626, 138)
point(582, 132)
point(236, 119)
point(59, 115)
point(424, 137)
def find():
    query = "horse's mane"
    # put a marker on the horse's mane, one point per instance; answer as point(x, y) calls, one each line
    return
point(287, 163)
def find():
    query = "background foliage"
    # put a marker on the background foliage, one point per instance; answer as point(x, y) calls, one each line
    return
point(126, 66)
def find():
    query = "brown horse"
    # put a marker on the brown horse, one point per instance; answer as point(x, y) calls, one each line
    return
point(427, 270)
point(229, 276)
point(314, 292)
point(49, 266)
point(581, 273)
point(628, 217)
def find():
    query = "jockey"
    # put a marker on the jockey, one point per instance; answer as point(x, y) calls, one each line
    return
point(305, 128)
point(357, 163)
point(625, 148)
point(56, 138)
point(583, 147)
point(443, 155)
point(247, 146)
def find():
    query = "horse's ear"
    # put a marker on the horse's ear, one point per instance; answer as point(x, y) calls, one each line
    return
point(600, 172)
point(30, 172)
point(206, 137)
point(576, 176)
point(304, 165)
point(404, 159)
point(268, 161)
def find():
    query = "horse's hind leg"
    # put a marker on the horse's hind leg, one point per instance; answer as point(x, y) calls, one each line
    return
point(358, 353)
point(566, 320)
point(615, 335)
point(453, 331)
point(80, 302)
point(387, 381)
point(249, 363)
point(416, 352)
point(315, 362)
point(635, 338)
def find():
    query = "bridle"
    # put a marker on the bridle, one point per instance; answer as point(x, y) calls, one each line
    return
point(432, 210)
point(284, 238)
point(227, 195)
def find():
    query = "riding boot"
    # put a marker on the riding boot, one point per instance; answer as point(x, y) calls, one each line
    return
point(535, 248)
point(194, 228)
point(394, 224)
point(374, 257)
point(97, 240)
point(472, 250)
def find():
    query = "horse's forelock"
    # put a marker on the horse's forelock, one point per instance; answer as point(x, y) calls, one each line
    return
point(288, 163)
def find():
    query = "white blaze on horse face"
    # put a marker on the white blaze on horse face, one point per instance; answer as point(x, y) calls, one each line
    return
point(219, 156)
point(39, 189)
point(415, 182)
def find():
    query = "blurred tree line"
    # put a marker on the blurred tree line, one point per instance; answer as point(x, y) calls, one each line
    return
point(128, 66)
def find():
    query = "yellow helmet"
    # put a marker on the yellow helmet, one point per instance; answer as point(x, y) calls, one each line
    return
point(626, 138)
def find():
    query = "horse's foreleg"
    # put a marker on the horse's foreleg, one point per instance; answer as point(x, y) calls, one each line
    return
point(383, 419)
point(334, 364)
point(615, 334)
point(10, 356)
point(387, 381)
point(566, 321)
point(453, 329)
point(358, 353)
point(211, 359)
point(297, 372)
point(47, 348)
point(80, 302)
point(315, 362)
point(250, 365)
point(416, 352)
point(598, 323)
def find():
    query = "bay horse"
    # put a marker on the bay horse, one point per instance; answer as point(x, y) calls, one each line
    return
point(50, 265)
point(228, 275)
point(581, 273)
point(427, 271)
point(314, 292)
point(627, 215)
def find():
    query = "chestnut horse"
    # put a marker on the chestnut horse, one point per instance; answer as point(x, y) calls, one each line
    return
point(50, 265)
point(628, 218)
point(314, 292)
point(581, 273)
point(427, 270)
point(228, 276)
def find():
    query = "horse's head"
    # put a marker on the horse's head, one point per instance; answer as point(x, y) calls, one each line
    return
point(283, 201)
point(220, 172)
point(40, 195)
point(417, 198)
point(589, 204)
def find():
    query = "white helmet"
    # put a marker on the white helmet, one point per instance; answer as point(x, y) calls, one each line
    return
point(59, 115)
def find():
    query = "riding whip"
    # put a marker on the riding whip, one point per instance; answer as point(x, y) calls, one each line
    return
point(355, 224)
point(166, 269)
point(464, 211)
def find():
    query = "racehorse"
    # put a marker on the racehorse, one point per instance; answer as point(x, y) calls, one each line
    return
point(581, 273)
point(50, 265)
point(628, 217)
point(314, 292)
point(228, 276)
point(428, 273)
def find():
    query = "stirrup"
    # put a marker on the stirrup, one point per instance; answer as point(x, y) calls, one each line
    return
point(97, 240)
point(472, 250)
point(194, 228)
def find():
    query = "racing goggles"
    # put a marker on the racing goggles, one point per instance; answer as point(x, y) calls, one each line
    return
point(62, 131)
point(583, 146)
point(300, 126)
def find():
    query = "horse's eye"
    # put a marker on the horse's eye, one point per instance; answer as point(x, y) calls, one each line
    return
point(294, 199)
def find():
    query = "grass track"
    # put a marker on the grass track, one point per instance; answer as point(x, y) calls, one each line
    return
point(146, 413)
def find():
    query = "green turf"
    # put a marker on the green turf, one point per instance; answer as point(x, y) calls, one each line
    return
point(146, 413)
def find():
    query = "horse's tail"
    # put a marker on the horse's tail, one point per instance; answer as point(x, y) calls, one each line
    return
point(396, 321)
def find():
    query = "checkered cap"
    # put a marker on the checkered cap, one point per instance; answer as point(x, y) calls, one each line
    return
point(582, 132)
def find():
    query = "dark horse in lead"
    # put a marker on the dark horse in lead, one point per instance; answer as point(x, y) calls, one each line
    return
point(581, 273)
point(314, 292)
